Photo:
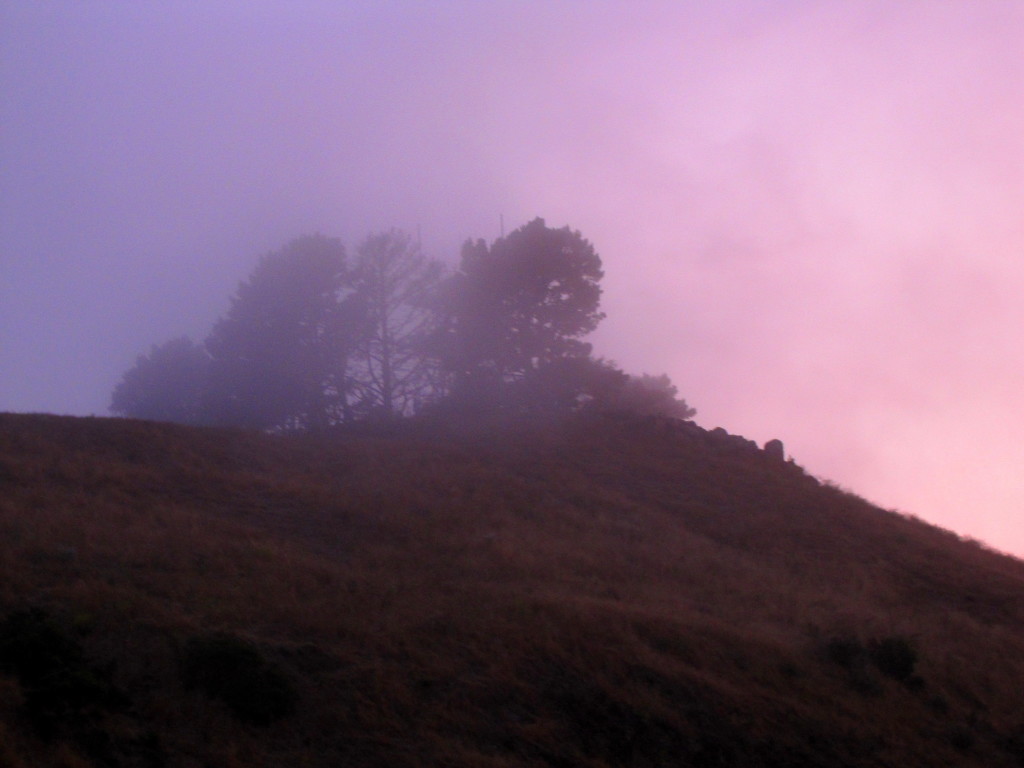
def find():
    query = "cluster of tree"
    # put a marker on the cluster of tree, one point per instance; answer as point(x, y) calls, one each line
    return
point(313, 338)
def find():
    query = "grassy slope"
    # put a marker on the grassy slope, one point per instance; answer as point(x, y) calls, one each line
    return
point(600, 593)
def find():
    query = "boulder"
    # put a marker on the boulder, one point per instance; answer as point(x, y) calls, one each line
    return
point(775, 450)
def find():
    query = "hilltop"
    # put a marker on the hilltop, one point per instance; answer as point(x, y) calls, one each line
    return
point(594, 592)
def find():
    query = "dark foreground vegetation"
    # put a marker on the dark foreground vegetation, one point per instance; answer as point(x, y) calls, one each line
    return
point(600, 591)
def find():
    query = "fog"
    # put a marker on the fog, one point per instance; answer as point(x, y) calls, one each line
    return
point(808, 212)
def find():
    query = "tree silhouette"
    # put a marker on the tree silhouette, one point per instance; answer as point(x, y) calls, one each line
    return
point(280, 352)
point(649, 395)
point(309, 341)
point(168, 384)
point(395, 282)
point(519, 305)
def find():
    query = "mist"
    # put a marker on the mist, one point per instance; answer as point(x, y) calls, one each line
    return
point(808, 215)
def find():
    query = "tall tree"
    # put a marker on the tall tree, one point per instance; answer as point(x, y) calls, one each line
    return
point(280, 353)
point(168, 384)
point(521, 304)
point(395, 282)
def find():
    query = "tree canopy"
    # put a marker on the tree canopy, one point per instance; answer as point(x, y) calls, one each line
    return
point(311, 339)
point(519, 305)
point(168, 384)
point(279, 353)
point(649, 395)
point(395, 282)
point(527, 299)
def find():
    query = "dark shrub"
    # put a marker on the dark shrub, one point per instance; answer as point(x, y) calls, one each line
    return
point(847, 652)
point(33, 645)
point(894, 657)
point(61, 687)
point(961, 738)
point(1013, 743)
point(233, 670)
point(851, 654)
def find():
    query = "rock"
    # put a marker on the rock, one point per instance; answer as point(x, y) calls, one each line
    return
point(721, 439)
point(775, 450)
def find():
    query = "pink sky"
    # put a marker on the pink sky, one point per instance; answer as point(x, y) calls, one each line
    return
point(809, 212)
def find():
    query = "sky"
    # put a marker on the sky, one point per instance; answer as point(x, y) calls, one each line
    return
point(809, 213)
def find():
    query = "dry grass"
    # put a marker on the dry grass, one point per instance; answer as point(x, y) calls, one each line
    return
point(593, 593)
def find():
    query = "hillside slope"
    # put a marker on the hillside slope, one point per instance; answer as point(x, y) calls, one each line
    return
point(602, 592)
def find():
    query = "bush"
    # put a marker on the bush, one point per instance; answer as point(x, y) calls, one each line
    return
point(895, 657)
point(847, 652)
point(33, 646)
point(234, 671)
point(61, 687)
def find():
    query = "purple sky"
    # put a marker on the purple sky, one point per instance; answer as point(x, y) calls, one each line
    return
point(810, 213)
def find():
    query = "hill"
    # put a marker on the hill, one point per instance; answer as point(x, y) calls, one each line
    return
point(598, 592)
